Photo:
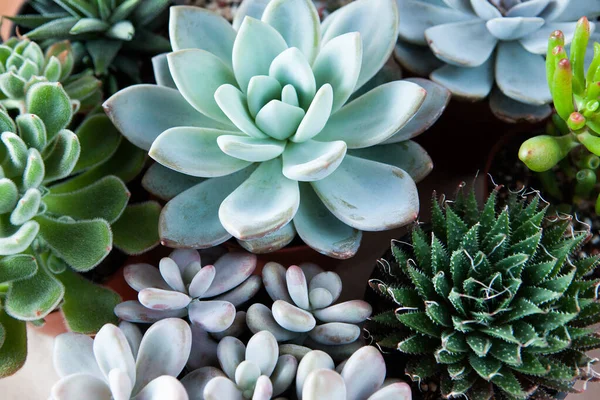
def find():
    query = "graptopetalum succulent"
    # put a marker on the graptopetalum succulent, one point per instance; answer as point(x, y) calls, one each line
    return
point(471, 45)
point(360, 377)
point(576, 124)
point(114, 34)
point(264, 128)
point(493, 303)
point(122, 364)
point(182, 287)
point(304, 311)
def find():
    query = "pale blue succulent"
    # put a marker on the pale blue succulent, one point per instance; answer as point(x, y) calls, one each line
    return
point(476, 44)
point(274, 127)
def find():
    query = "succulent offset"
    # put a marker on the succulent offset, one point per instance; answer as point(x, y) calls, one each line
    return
point(255, 371)
point(304, 309)
point(261, 136)
point(492, 302)
point(360, 377)
point(113, 33)
point(476, 44)
point(182, 287)
point(122, 364)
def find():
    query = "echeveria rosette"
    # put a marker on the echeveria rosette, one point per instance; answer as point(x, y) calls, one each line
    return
point(256, 371)
point(114, 34)
point(122, 364)
point(474, 44)
point(362, 376)
point(304, 309)
point(492, 302)
point(259, 117)
point(181, 287)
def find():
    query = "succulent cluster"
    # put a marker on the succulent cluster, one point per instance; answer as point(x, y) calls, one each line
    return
point(304, 309)
point(181, 287)
point(122, 364)
point(492, 302)
point(271, 132)
point(470, 46)
point(112, 34)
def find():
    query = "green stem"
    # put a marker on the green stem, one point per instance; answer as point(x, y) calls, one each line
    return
point(550, 184)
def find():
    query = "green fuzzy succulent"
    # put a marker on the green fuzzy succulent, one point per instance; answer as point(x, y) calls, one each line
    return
point(23, 64)
point(112, 34)
point(493, 303)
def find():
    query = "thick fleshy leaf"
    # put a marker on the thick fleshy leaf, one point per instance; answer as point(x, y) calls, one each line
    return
point(60, 161)
point(304, 32)
point(528, 84)
point(347, 194)
point(261, 90)
point(74, 353)
point(160, 299)
point(263, 351)
point(338, 64)
point(164, 350)
point(284, 373)
point(263, 389)
point(71, 387)
point(50, 102)
point(17, 267)
point(274, 278)
point(259, 42)
point(271, 242)
point(162, 75)
point(242, 294)
point(231, 270)
point(112, 350)
point(219, 388)
point(377, 23)
point(82, 244)
point(417, 59)
point(204, 349)
point(231, 353)
point(163, 387)
point(165, 183)
point(86, 306)
point(470, 83)
point(513, 28)
point(537, 42)
point(292, 68)
point(142, 276)
point(435, 103)
point(529, 8)
point(119, 383)
point(202, 281)
point(407, 155)
point(251, 8)
point(212, 316)
point(133, 335)
point(196, 381)
point(136, 230)
point(259, 318)
point(322, 384)
point(292, 318)
point(375, 116)
point(315, 360)
point(133, 311)
point(297, 286)
point(399, 390)
point(445, 41)
point(234, 105)
point(20, 240)
point(316, 116)
point(191, 219)
point(353, 312)
point(129, 110)
point(197, 28)
point(198, 74)
point(13, 351)
point(335, 333)
point(361, 382)
point(195, 152)
point(264, 203)
point(99, 140)
point(33, 298)
point(321, 230)
point(279, 120)
point(513, 111)
point(312, 161)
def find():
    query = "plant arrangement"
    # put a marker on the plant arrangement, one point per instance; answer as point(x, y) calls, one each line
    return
point(303, 295)
point(492, 302)
point(265, 117)
point(110, 35)
point(472, 47)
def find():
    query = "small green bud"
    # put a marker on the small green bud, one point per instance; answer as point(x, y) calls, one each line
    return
point(586, 180)
point(590, 161)
point(543, 152)
point(576, 121)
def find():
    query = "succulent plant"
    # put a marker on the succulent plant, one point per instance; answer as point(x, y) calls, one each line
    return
point(182, 287)
point(114, 34)
point(492, 302)
point(360, 377)
point(476, 44)
point(255, 371)
point(304, 308)
point(122, 364)
point(265, 143)
point(23, 64)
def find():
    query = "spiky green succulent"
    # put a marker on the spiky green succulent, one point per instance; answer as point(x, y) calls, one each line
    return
point(111, 34)
point(493, 303)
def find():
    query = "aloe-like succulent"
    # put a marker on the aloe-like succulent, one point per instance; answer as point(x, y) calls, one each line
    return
point(23, 64)
point(262, 126)
point(181, 287)
point(122, 364)
point(493, 302)
point(114, 34)
point(470, 46)
point(255, 371)
point(360, 377)
point(304, 309)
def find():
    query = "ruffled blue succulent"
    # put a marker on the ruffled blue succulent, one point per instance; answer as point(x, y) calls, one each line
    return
point(476, 44)
point(276, 126)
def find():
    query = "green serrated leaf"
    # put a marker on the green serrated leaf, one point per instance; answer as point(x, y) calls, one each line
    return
point(421, 368)
point(454, 342)
point(507, 381)
point(387, 318)
point(504, 332)
point(470, 241)
point(420, 322)
point(455, 230)
point(422, 250)
point(531, 365)
point(586, 343)
point(539, 295)
point(486, 367)
point(443, 356)
point(459, 267)
point(480, 344)
point(422, 283)
point(521, 308)
point(438, 313)
point(405, 297)
point(551, 320)
point(560, 283)
point(417, 344)
point(527, 246)
point(440, 261)
point(441, 285)
point(508, 353)
point(438, 219)
point(586, 265)
point(533, 274)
